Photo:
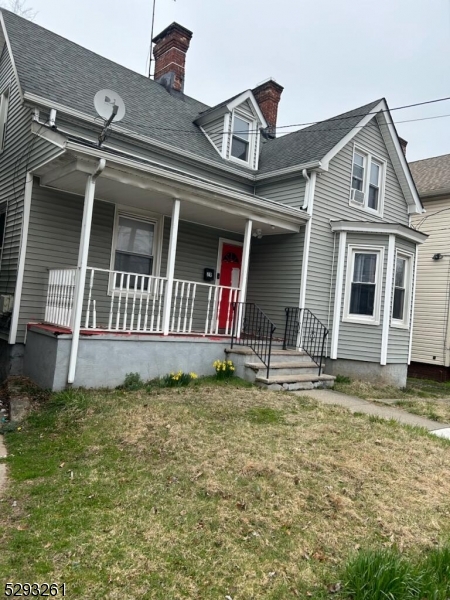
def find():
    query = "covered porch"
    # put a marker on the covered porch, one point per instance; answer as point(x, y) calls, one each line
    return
point(152, 287)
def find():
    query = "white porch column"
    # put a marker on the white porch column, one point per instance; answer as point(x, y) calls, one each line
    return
point(82, 266)
point(171, 265)
point(339, 283)
point(245, 260)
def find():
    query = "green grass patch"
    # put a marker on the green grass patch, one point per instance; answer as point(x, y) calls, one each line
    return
point(210, 490)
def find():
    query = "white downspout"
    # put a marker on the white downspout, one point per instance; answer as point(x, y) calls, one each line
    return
point(82, 266)
point(308, 205)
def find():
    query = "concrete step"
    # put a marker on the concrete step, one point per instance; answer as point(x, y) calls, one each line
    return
point(295, 382)
point(277, 355)
point(277, 369)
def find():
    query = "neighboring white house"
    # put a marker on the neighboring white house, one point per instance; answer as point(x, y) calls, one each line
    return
point(431, 334)
point(144, 247)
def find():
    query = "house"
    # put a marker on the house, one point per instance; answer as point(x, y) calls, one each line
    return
point(146, 244)
point(431, 336)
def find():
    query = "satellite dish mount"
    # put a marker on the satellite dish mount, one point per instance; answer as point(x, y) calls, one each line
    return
point(110, 107)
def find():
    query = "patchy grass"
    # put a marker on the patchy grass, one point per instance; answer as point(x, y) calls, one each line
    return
point(211, 491)
point(422, 397)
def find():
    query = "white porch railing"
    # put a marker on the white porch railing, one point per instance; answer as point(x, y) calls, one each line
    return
point(61, 289)
point(133, 303)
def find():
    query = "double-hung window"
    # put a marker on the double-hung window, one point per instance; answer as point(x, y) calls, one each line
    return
point(134, 250)
point(401, 295)
point(240, 139)
point(367, 182)
point(362, 296)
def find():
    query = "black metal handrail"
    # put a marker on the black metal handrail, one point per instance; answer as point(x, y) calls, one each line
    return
point(304, 329)
point(252, 328)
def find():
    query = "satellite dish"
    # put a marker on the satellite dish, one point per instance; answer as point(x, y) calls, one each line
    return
point(105, 101)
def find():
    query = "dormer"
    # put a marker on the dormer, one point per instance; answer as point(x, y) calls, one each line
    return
point(234, 127)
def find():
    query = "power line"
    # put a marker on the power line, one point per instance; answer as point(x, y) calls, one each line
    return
point(331, 120)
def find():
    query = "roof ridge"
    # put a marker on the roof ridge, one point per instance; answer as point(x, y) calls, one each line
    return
point(374, 103)
point(33, 24)
point(413, 162)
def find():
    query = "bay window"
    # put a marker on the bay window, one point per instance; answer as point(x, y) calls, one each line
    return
point(363, 286)
point(401, 293)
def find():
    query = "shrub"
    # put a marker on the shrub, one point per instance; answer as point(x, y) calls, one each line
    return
point(133, 381)
point(224, 368)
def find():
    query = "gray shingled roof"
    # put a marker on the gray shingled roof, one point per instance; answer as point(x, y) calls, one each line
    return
point(311, 143)
point(432, 175)
point(59, 70)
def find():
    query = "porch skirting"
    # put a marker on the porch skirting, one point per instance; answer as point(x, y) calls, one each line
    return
point(105, 359)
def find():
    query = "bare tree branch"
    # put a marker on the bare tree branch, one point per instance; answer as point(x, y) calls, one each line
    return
point(20, 8)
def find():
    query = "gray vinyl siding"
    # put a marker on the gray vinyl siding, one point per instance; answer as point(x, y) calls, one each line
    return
point(197, 248)
point(288, 191)
point(246, 110)
point(331, 202)
point(275, 275)
point(21, 152)
point(431, 329)
point(398, 346)
point(53, 242)
point(215, 130)
point(360, 341)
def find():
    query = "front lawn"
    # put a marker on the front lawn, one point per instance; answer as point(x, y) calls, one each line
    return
point(430, 399)
point(210, 492)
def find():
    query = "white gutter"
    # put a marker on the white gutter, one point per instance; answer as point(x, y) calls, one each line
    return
point(82, 267)
point(313, 165)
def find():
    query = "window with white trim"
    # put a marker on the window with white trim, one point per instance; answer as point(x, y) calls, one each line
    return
point(401, 294)
point(4, 102)
point(134, 249)
point(367, 185)
point(240, 138)
point(363, 286)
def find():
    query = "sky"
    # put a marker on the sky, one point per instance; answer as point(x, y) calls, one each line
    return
point(330, 56)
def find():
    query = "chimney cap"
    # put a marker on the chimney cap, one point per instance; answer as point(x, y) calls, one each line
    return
point(269, 83)
point(172, 28)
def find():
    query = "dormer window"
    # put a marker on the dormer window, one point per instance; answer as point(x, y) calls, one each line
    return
point(240, 141)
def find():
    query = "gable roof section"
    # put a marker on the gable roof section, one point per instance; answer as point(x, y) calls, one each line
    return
point(311, 143)
point(432, 175)
point(229, 105)
point(60, 71)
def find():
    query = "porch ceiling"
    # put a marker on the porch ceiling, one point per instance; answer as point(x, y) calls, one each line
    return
point(149, 191)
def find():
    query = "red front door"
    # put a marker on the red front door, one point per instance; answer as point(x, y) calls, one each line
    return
point(230, 275)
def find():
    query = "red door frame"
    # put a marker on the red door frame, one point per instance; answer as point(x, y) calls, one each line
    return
point(224, 306)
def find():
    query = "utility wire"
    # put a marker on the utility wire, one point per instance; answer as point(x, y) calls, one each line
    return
point(331, 120)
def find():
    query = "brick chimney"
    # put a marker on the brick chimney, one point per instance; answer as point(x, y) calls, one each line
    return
point(403, 144)
point(268, 95)
point(169, 50)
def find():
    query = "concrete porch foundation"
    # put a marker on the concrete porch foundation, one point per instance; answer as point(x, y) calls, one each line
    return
point(391, 374)
point(105, 359)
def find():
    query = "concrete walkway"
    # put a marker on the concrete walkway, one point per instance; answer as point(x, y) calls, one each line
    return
point(357, 405)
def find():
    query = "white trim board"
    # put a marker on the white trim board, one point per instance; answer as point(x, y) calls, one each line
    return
point(401, 231)
point(388, 299)
point(338, 294)
point(22, 255)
